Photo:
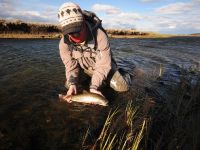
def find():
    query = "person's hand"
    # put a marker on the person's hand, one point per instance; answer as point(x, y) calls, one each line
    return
point(71, 91)
point(96, 92)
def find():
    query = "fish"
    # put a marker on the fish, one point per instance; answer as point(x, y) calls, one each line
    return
point(88, 98)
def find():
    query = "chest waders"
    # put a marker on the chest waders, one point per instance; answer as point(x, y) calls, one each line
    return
point(115, 78)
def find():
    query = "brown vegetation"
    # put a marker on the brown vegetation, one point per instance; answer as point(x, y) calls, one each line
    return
point(195, 34)
point(20, 29)
point(125, 32)
point(151, 122)
point(31, 28)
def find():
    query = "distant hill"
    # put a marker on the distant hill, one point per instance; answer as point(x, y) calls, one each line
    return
point(195, 34)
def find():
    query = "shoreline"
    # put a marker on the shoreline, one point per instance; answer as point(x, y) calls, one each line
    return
point(29, 36)
point(18, 29)
point(58, 35)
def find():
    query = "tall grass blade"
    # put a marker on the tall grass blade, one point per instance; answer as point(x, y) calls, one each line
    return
point(139, 137)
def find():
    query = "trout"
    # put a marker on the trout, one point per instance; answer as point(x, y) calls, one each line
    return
point(89, 98)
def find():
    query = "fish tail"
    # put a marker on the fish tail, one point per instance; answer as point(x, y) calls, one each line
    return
point(63, 97)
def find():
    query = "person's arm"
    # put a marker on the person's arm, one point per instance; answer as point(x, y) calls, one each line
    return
point(103, 61)
point(71, 65)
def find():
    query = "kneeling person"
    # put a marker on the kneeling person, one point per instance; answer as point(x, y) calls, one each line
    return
point(85, 45)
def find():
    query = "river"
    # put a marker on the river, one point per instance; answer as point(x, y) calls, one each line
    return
point(32, 75)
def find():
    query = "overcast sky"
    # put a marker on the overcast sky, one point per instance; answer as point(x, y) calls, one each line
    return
point(164, 16)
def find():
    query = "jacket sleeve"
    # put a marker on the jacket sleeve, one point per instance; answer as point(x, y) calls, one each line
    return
point(103, 60)
point(71, 65)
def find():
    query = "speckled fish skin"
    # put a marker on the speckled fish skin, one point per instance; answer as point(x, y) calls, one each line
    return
point(89, 98)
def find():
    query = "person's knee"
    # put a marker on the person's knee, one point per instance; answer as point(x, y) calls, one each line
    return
point(118, 82)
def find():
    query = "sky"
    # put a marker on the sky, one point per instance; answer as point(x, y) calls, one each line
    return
point(163, 16)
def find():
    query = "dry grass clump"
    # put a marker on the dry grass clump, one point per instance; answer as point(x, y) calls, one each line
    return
point(120, 131)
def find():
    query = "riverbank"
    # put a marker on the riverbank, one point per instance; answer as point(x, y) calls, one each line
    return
point(57, 35)
point(29, 36)
point(144, 36)
point(18, 29)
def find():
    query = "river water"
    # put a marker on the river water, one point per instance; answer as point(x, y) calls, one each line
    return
point(32, 75)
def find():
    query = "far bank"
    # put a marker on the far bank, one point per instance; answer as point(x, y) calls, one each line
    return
point(21, 30)
point(57, 36)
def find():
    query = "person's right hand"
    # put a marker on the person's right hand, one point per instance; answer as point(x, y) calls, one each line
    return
point(96, 92)
point(71, 91)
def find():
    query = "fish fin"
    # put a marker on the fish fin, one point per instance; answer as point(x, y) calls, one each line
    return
point(85, 92)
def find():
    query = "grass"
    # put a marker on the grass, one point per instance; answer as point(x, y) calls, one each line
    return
point(144, 36)
point(58, 35)
point(19, 29)
point(126, 138)
point(174, 124)
point(29, 36)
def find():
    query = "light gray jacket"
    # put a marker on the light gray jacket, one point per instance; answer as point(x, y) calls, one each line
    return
point(97, 62)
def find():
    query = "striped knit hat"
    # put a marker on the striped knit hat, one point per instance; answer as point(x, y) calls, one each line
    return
point(70, 18)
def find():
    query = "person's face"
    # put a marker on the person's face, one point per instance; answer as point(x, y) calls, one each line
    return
point(76, 34)
point(79, 37)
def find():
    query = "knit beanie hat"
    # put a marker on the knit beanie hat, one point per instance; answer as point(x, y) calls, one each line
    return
point(70, 18)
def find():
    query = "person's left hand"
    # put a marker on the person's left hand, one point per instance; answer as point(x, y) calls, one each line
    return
point(96, 92)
